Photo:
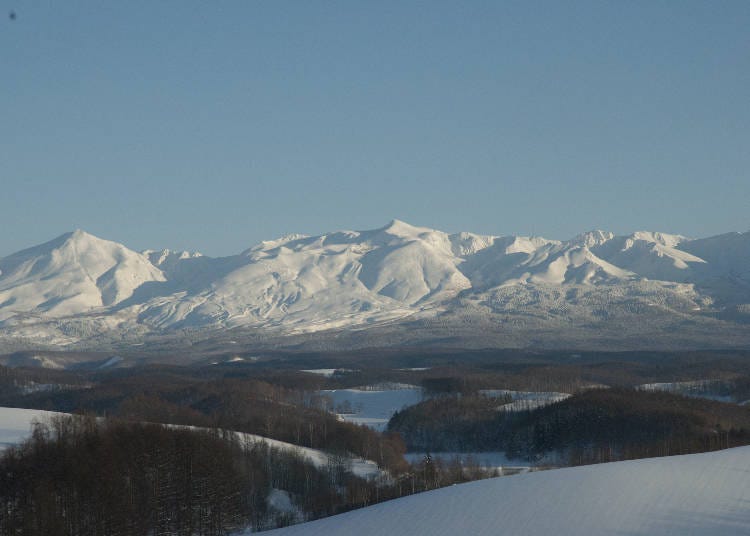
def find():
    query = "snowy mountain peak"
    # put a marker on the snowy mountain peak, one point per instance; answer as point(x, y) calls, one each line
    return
point(82, 240)
point(167, 256)
point(71, 274)
point(402, 229)
point(63, 247)
point(267, 245)
point(396, 224)
point(365, 278)
point(665, 239)
point(469, 243)
point(79, 234)
point(593, 238)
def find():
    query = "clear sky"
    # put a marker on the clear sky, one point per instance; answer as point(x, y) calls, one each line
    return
point(213, 125)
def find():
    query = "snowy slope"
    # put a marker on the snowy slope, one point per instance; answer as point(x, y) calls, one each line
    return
point(80, 287)
point(651, 255)
point(16, 424)
point(694, 495)
point(171, 263)
point(71, 274)
point(321, 282)
point(726, 274)
point(360, 467)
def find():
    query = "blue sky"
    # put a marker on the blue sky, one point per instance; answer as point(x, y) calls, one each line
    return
point(213, 125)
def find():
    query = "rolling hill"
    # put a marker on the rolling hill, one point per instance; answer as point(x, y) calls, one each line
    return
point(693, 495)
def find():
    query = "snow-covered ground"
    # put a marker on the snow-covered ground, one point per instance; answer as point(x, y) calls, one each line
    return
point(525, 400)
point(695, 495)
point(280, 501)
point(373, 406)
point(697, 388)
point(358, 466)
point(485, 460)
point(16, 424)
point(325, 372)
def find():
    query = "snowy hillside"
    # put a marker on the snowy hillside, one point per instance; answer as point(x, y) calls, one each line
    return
point(16, 425)
point(82, 288)
point(73, 273)
point(699, 494)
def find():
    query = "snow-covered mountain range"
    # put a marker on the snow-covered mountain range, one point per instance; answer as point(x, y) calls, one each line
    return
point(514, 289)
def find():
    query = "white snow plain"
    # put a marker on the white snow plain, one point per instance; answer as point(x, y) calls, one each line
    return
point(694, 495)
point(373, 406)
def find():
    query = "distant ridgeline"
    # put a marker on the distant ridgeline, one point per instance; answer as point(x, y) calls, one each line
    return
point(405, 284)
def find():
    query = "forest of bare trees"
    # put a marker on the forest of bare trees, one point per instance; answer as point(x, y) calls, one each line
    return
point(150, 451)
point(82, 475)
point(593, 426)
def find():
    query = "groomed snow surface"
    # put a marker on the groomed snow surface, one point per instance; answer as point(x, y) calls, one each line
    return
point(699, 494)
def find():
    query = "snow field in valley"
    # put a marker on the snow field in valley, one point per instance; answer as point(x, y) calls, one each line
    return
point(373, 406)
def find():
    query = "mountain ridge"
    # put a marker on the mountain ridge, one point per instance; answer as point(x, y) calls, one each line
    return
point(356, 279)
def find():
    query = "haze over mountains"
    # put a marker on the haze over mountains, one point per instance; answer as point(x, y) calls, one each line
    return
point(413, 284)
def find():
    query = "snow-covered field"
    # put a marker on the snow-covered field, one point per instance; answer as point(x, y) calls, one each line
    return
point(697, 388)
point(16, 424)
point(325, 372)
point(373, 406)
point(486, 460)
point(525, 400)
point(695, 495)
